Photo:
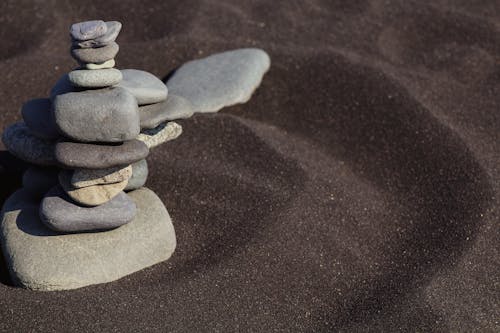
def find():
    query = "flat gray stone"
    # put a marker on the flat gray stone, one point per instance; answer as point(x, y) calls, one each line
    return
point(39, 258)
point(98, 78)
point(90, 177)
point(38, 181)
point(161, 134)
point(221, 79)
point(75, 155)
point(88, 30)
point(95, 55)
point(139, 175)
point(103, 115)
point(18, 140)
point(61, 214)
point(173, 108)
point(37, 115)
point(146, 87)
point(113, 29)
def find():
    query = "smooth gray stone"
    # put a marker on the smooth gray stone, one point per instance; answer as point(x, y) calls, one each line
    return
point(103, 115)
point(146, 87)
point(160, 134)
point(139, 175)
point(74, 155)
point(63, 86)
point(88, 30)
point(38, 258)
point(18, 140)
point(97, 78)
point(221, 79)
point(37, 115)
point(113, 29)
point(173, 108)
point(95, 55)
point(61, 214)
point(39, 181)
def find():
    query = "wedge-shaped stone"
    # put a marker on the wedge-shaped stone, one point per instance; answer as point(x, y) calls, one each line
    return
point(90, 177)
point(104, 115)
point(173, 108)
point(41, 259)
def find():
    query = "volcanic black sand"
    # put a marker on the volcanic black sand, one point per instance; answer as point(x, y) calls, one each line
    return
point(356, 191)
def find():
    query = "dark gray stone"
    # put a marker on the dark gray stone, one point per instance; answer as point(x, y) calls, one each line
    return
point(61, 214)
point(39, 181)
point(63, 86)
point(95, 55)
point(88, 30)
point(221, 79)
point(146, 87)
point(113, 29)
point(18, 140)
point(41, 259)
point(102, 115)
point(174, 107)
point(98, 78)
point(38, 117)
point(139, 175)
point(74, 155)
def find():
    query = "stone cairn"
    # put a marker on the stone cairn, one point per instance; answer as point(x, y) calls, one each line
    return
point(83, 215)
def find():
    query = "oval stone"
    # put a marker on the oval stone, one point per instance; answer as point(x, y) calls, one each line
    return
point(98, 78)
point(93, 156)
point(37, 115)
point(113, 29)
point(139, 175)
point(146, 87)
point(103, 115)
point(61, 214)
point(95, 55)
point(88, 30)
point(173, 108)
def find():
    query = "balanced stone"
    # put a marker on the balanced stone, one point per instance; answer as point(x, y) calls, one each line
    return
point(104, 115)
point(60, 214)
point(91, 195)
point(102, 65)
point(39, 258)
point(96, 78)
point(39, 180)
point(160, 134)
point(113, 29)
point(146, 87)
point(93, 156)
point(139, 175)
point(18, 140)
point(88, 30)
point(90, 177)
point(221, 79)
point(95, 55)
point(38, 117)
point(173, 108)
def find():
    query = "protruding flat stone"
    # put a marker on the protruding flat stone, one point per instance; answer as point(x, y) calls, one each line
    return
point(38, 117)
point(139, 175)
point(103, 115)
point(146, 87)
point(173, 108)
point(221, 79)
point(158, 135)
point(38, 180)
point(88, 30)
point(41, 259)
point(95, 55)
point(91, 195)
point(107, 64)
point(98, 78)
point(113, 29)
point(93, 156)
point(61, 214)
point(90, 177)
point(18, 140)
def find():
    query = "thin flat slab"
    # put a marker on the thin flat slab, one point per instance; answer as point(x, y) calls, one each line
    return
point(221, 79)
point(173, 108)
point(41, 259)
point(145, 87)
point(160, 134)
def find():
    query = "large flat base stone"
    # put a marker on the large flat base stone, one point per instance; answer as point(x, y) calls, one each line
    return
point(41, 259)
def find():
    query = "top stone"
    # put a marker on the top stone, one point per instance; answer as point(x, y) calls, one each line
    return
point(88, 30)
point(113, 29)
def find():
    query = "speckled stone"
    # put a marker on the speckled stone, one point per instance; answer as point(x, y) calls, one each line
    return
point(173, 108)
point(98, 78)
point(113, 30)
point(37, 115)
point(88, 30)
point(161, 134)
point(95, 55)
point(146, 87)
point(90, 177)
point(139, 175)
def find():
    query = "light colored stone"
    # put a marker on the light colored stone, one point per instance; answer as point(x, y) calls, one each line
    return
point(88, 30)
point(40, 259)
point(145, 87)
point(173, 108)
point(90, 177)
point(221, 79)
point(113, 29)
point(18, 140)
point(139, 175)
point(91, 195)
point(161, 134)
point(98, 78)
point(107, 64)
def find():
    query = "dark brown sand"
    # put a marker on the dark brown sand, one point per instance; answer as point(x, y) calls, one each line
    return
point(356, 191)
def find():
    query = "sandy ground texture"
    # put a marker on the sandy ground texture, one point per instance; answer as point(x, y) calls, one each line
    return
point(356, 191)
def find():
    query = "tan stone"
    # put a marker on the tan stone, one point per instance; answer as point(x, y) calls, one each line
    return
point(161, 134)
point(89, 177)
point(103, 65)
